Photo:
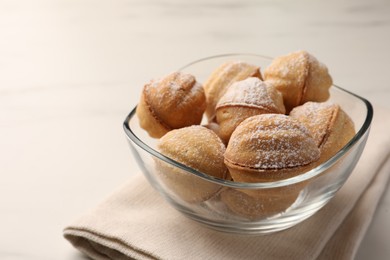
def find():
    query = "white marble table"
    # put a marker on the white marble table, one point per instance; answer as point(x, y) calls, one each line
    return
point(70, 70)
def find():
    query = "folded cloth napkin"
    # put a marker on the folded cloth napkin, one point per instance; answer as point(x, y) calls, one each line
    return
point(136, 223)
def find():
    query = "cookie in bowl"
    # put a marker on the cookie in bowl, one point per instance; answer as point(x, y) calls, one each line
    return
point(300, 77)
point(174, 101)
point(196, 147)
point(222, 77)
point(328, 123)
point(270, 147)
point(244, 99)
point(266, 202)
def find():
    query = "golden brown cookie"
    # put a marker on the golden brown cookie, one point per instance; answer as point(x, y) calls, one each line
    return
point(175, 101)
point(222, 78)
point(244, 99)
point(267, 148)
point(196, 147)
point(270, 147)
point(300, 77)
point(330, 126)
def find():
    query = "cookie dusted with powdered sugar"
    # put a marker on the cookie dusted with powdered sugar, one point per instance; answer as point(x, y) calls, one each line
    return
point(330, 126)
point(300, 77)
point(222, 77)
point(174, 101)
point(270, 147)
point(244, 99)
point(198, 148)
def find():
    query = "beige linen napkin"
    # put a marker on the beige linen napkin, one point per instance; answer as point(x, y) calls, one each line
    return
point(135, 222)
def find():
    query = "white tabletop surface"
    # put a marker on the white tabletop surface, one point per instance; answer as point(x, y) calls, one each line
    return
point(70, 71)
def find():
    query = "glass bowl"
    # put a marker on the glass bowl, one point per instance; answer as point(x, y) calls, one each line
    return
point(249, 208)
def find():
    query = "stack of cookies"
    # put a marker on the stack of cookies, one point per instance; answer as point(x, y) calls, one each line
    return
point(262, 127)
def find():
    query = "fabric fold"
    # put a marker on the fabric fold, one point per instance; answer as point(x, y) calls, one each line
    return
point(357, 222)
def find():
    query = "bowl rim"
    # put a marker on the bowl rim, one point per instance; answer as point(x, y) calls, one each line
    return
point(245, 185)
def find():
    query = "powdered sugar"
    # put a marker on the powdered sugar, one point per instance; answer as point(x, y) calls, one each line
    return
point(316, 117)
point(272, 141)
point(196, 146)
point(251, 92)
point(233, 65)
point(176, 88)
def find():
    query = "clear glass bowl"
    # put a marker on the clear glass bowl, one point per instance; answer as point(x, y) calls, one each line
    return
point(249, 208)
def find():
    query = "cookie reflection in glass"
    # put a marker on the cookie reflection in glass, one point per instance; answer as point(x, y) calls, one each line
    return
point(196, 147)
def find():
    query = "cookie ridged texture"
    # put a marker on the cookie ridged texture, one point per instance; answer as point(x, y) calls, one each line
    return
point(252, 92)
point(177, 100)
point(300, 77)
point(317, 117)
point(244, 99)
point(230, 117)
point(329, 125)
point(271, 142)
point(196, 147)
point(318, 81)
point(288, 74)
point(149, 121)
point(222, 77)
